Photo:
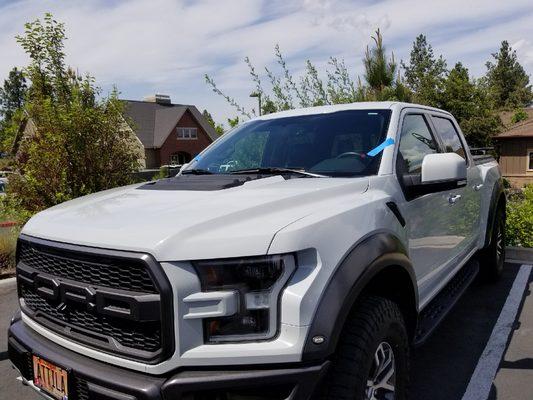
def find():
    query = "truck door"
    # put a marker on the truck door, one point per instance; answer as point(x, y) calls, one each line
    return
point(430, 217)
point(466, 208)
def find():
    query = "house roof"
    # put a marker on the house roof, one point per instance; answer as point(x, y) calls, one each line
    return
point(521, 129)
point(155, 121)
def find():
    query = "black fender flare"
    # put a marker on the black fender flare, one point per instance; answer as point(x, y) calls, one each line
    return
point(497, 194)
point(363, 261)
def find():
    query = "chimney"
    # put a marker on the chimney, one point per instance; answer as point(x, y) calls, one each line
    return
point(159, 99)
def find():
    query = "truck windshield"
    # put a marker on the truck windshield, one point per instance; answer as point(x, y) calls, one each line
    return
point(332, 144)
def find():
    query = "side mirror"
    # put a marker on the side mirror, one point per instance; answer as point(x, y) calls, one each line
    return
point(443, 167)
point(440, 172)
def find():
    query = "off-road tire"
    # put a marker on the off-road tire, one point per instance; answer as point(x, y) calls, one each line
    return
point(374, 320)
point(492, 258)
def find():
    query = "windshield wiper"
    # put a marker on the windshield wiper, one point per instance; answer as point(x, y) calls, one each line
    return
point(276, 170)
point(196, 171)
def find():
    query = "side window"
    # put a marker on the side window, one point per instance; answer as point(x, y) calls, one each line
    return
point(449, 135)
point(415, 143)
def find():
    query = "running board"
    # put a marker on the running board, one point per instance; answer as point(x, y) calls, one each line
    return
point(436, 310)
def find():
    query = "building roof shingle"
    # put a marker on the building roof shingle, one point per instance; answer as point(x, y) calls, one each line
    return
point(520, 129)
point(155, 121)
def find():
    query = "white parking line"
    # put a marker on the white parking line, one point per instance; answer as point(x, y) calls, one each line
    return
point(487, 366)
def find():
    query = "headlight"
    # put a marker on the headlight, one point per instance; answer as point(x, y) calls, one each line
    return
point(258, 282)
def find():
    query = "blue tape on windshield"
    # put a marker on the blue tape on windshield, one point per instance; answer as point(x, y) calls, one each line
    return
point(376, 150)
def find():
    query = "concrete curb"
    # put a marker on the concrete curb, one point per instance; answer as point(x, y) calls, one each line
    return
point(522, 255)
point(7, 281)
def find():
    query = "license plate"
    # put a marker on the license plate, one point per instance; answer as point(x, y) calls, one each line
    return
point(50, 378)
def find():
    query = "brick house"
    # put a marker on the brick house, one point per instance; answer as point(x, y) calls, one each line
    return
point(515, 149)
point(170, 133)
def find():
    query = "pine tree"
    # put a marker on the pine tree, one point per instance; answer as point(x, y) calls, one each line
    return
point(425, 74)
point(12, 94)
point(381, 74)
point(507, 81)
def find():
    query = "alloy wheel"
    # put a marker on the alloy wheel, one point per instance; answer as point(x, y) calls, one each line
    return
point(500, 245)
point(380, 383)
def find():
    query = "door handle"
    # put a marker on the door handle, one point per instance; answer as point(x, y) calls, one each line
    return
point(454, 198)
point(477, 188)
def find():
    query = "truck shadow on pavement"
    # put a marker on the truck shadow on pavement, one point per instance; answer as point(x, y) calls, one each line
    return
point(443, 366)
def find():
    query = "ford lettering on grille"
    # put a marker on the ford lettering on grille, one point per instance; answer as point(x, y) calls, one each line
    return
point(121, 304)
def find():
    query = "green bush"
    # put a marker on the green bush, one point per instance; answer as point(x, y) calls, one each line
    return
point(162, 174)
point(519, 115)
point(10, 212)
point(520, 218)
point(8, 243)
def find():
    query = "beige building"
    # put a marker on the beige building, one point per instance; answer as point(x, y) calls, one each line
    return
point(515, 147)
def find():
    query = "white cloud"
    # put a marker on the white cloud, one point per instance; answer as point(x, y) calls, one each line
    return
point(524, 49)
point(167, 46)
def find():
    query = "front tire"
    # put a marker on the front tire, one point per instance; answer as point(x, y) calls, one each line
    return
point(372, 358)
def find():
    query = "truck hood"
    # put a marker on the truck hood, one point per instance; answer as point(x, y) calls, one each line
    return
point(175, 225)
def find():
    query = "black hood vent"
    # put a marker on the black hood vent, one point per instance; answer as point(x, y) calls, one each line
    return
point(201, 182)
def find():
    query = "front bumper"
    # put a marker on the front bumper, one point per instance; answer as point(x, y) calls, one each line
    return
point(92, 379)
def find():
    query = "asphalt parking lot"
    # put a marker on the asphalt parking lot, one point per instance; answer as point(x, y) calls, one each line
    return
point(456, 363)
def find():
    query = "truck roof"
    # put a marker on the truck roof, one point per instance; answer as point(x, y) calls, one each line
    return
point(368, 105)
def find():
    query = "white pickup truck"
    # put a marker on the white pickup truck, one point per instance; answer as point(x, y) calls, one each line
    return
point(302, 255)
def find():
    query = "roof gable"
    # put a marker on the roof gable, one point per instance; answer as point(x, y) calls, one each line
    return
point(153, 122)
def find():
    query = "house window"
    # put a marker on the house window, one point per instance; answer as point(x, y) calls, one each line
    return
point(530, 160)
point(180, 158)
point(187, 133)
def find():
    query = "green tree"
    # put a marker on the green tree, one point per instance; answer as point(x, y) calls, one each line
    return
point(425, 75)
point(219, 129)
point(381, 74)
point(507, 80)
point(467, 100)
point(12, 95)
point(81, 143)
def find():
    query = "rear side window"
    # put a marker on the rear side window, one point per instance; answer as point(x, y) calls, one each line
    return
point(449, 136)
point(415, 143)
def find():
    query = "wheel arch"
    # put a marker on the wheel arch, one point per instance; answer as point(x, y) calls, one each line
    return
point(386, 271)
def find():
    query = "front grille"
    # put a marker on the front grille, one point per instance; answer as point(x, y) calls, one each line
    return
point(82, 391)
point(110, 300)
point(99, 270)
point(145, 336)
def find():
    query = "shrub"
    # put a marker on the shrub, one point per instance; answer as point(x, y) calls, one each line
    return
point(8, 243)
point(11, 221)
point(520, 218)
point(163, 173)
point(519, 115)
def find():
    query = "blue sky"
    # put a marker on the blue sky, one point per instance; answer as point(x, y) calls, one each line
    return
point(166, 46)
